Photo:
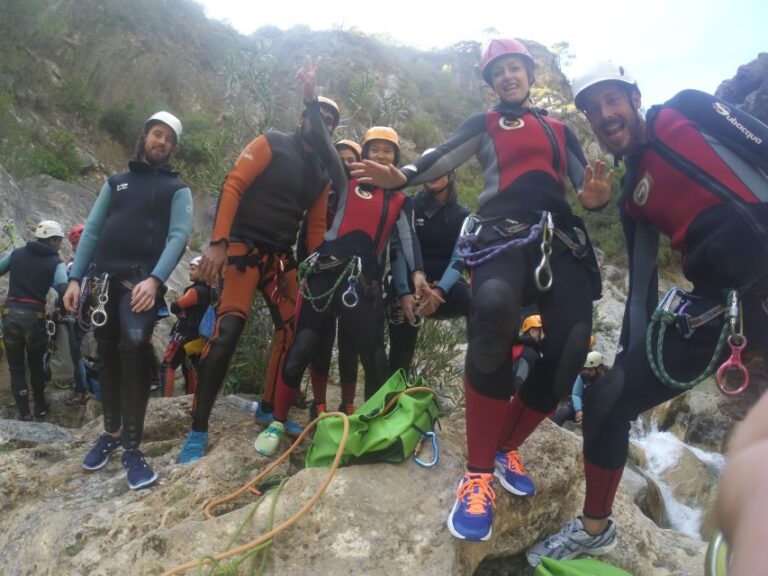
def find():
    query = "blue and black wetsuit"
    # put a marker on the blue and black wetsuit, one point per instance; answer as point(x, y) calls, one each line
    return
point(34, 269)
point(137, 228)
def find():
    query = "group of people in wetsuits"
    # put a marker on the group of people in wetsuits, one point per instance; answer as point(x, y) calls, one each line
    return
point(524, 247)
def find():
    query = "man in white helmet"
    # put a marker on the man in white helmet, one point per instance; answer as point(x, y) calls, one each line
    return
point(34, 269)
point(136, 233)
point(695, 172)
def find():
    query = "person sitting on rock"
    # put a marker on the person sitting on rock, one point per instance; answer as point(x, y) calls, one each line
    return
point(572, 408)
point(34, 269)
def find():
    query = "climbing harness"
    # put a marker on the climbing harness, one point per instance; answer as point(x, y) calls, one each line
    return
point(543, 273)
point(545, 228)
point(736, 342)
point(671, 311)
point(94, 296)
point(435, 450)
point(351, 272)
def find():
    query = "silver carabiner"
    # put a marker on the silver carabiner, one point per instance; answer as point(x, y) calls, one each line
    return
point(50, 327)
point(435, 451)
point(99, 314)
point(544, 268)
point(350, 298)
point(471, 225)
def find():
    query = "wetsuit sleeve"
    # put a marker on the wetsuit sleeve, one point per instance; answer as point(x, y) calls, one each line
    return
point(325, 148)
point(178, 234)
point(316, 224)
point(453, 272)
point(409, 241)
point(186, 300)
point(577, 394)
point(399, 268)
point(60, 278)
point(90, 238)
point(456, 265)
point(462, 145)
point(251, 163)
point(5, 263)
point(576, 161)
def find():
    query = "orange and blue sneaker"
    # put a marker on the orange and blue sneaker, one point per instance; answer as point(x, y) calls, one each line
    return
point(472, 515)
point(511, 473)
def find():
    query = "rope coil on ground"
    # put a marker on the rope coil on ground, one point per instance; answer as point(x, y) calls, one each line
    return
point(249, 486)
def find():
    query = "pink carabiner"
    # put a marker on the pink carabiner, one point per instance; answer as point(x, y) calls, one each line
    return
point(733, 363)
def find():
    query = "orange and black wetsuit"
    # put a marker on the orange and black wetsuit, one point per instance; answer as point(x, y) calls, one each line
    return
point(275, 180)
point(189, 309)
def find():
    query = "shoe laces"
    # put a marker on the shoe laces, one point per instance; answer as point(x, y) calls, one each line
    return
point(514, 463)
point(477, 491)
point(557, 540)
point(273, 431)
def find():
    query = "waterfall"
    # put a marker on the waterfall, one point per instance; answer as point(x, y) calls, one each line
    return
point(663, 451)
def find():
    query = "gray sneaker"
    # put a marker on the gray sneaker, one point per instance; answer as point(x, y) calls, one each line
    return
point(573, 540)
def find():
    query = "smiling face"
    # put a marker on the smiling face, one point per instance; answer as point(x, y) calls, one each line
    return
point(613, 114)
point(159, 142)
point(381, 151)
point(509, 79)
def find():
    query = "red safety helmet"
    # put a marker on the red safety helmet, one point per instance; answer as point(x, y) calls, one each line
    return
point(75, 233)
point(499, 47)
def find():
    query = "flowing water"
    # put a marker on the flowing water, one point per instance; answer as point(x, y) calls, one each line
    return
point(663, 450)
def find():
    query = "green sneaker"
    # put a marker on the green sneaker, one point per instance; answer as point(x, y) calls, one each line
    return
point(268, 440)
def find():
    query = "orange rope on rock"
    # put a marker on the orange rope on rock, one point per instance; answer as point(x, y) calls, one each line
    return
point(249, 487)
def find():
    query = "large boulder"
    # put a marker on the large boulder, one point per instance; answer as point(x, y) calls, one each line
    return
point(749, 88)
point(373, 520)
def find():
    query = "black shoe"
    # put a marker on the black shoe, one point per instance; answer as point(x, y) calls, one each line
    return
point(102, 449)
point(41, 414)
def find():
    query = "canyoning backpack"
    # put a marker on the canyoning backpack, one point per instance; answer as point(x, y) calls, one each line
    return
point(734, 136)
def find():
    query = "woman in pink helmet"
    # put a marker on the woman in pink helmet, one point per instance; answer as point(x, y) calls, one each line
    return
point(524, 247)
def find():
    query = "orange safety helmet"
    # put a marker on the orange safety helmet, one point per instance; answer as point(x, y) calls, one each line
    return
point(499, 47)
point(352, 145)
point(532, 321)
point(382, 133)
point(332, 106)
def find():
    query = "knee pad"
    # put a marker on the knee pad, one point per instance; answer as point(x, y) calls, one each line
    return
point(299, 356)
point(493, 325)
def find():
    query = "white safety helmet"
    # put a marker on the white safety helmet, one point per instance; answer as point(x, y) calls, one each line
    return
point(166, 118)
point(48, 229)
point(196, 261)
point(594, 359)
point(600, 72)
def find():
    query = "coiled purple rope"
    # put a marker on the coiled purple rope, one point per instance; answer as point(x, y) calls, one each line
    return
point(472, 259)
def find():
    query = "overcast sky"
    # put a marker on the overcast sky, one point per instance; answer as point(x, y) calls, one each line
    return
point(667, 45)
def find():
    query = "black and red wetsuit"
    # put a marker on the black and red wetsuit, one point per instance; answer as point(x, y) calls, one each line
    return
point(364, 222)
point(722, 249)
point(525, 157)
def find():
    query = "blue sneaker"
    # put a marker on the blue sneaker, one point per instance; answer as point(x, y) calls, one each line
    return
point(99, 454)
point(262, 418)
point(472, 515)
point(512, 475)
point(194, 447)
point(138, 471)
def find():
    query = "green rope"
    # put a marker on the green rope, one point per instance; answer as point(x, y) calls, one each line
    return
point(259, 555)
point(306, 269)
point(664, 319)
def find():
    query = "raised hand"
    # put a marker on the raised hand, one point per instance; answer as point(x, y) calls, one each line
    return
point(596, 192)
point(308, 76)
point(378, 174)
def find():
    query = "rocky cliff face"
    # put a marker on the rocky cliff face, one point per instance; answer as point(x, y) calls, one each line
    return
point(749, 88)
